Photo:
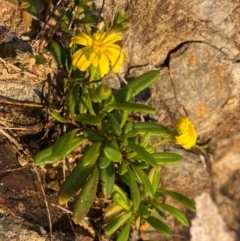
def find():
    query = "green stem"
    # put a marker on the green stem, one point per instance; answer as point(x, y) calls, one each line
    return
point(165, 140)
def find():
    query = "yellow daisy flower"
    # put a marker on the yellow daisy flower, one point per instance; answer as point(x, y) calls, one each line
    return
point(100, 51)
point(186, 133)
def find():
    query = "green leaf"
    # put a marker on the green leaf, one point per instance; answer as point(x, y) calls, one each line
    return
point(74, 181)
point(121, 201)
point(86, 196)
point(90, 19)
point(145, 180)
point(112, 154)
point(166, 158)
point(63, 146)
point(72, 99)
point(92, 136)
point(45, 157)
point(139, 84)
point(158, 225)
point(39, 59)
point(124, 95)
point(91, 154)
point(134, 189)
point(104, 161)
point(154, 176)
point(159, 211)
point(116, 223)
point(123, 195)
point(122, 169)
point(179, 197)
point(58, 52)
point(57, 117)
point(108, 178)
point(146, 138)
point(147, 157)
point(112, 212)
point(114, 124)
point(88, 119)
point(83, 106)
point(65, 27)
point(125, 232)
point(156, 129)
point(132, 107)
point(143, 210)
point(174, 212)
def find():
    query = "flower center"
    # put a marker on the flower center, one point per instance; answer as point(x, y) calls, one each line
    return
point(98, 46)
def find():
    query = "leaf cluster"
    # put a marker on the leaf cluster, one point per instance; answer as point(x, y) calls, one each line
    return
point(119, 153)
point(120, 158)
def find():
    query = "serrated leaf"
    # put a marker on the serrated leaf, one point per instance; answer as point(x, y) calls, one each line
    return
point(147, 157)
point(88, 119)
point(166, 158)
point(112, 154)
point(175, 213)
point(158, 225)
point(179, 197)
point(108, 178)
point(132, 107)
point(58, 52)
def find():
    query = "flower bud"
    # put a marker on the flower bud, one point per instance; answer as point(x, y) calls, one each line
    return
point(103, 92)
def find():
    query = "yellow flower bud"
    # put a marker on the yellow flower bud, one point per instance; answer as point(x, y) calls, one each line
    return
point(186, 134)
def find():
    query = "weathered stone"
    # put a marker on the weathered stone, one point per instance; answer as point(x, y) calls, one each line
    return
point(208, 225)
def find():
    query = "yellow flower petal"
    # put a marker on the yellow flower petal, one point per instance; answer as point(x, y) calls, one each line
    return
point(100, 52)
point(118, 64)
point(82, 39)
point(112, 38)
point(103, 65)
point(100, 36)
point(79, 59)
point(186, 133)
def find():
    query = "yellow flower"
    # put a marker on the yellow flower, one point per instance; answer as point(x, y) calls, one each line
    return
point(100, 51)
point(186, 133)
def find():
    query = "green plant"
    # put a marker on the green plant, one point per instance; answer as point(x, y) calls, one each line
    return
point(119, 153)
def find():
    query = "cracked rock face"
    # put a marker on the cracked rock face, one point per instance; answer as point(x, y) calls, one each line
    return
point(196, 45)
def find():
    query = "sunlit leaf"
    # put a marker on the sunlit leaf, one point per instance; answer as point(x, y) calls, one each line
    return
point(179, 197)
